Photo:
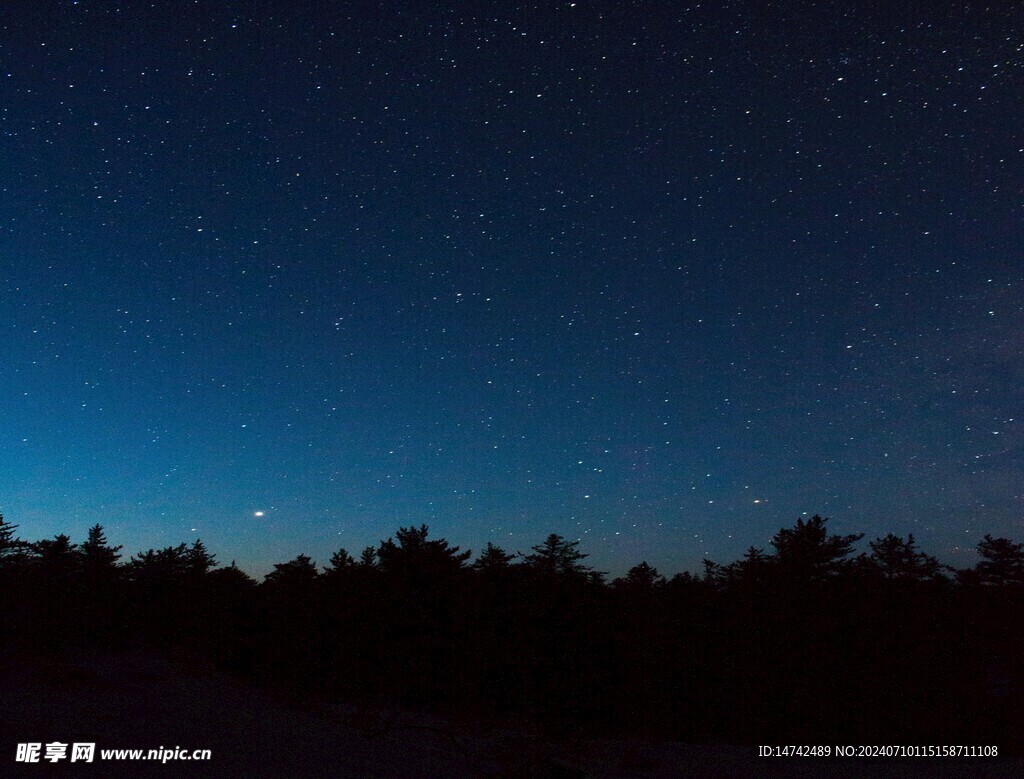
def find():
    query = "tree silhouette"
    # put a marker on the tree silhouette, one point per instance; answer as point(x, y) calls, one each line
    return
point(56, 556)
point(754, 570)
point(297, 573)
point(229, 619)
point(559, 557)
point(715, 574)
point(640, 578)
point(159, 565)
point(410, 554)
point(421, 601)
point(896, 558)
point(368, 557)
point(97, 554)
point(806, 552)
point(291, 652)
point(13, 551)
point(1002, 561)
point(103, 597)
point(340, 562)
point(52, 575)
point(159, 579)
point(785, 646)
point(493, 559)
point(7, 537)
point(198, 560)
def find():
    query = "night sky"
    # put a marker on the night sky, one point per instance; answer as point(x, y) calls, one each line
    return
point(660, 277)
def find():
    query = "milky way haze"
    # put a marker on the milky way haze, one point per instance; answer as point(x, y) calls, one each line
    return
point(288, 276)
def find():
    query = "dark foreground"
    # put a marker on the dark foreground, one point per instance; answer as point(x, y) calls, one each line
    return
point(143, 699)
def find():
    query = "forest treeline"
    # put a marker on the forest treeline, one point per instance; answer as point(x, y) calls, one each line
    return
point(807, 642)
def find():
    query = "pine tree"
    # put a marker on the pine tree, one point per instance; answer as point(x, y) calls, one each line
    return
point(1002, 563)
point(641, 578)
point(198, 560)
point(493, 559)
point(807, 551)
point(559, 557)
point(160, 565)
point(298, 572)
point(410, 553)
point(96, 553)
point(368, 557)
point(895, 558)
point(57, 555)
point(341, 562)
point(13, 551)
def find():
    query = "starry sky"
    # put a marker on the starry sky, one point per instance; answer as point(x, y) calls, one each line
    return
point(658, 276)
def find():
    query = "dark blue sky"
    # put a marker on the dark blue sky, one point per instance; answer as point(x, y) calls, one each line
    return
point(658, 277)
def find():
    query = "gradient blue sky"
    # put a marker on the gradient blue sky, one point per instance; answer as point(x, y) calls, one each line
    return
point(658, 277)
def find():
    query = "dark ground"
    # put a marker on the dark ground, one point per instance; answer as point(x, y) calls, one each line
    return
point(144, 699)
